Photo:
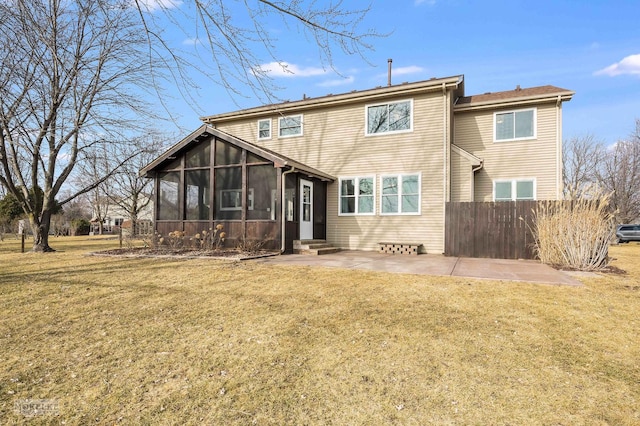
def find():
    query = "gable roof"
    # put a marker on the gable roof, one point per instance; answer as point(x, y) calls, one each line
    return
point(205, 131)
point(518, 96)
point(455, 83)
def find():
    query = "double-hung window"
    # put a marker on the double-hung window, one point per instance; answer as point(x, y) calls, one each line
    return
point(290, 126)
point(357, 196)
point(400, 194)
point(264, 129)
point(515, 125)
point(513, 190)
point(390, 117)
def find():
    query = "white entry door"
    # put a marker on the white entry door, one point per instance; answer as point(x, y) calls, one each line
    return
point(306, 210)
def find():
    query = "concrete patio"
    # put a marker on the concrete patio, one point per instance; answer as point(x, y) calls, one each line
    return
point(433, 264)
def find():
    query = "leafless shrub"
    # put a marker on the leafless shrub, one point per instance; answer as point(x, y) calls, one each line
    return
point(247, 245)
point(574, 234)
point(175, 240)
point(212, 239)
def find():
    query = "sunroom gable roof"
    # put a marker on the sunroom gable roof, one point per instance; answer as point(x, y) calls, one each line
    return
point(206, 131)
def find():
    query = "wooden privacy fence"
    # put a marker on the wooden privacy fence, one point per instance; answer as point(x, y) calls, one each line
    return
point(499, 230)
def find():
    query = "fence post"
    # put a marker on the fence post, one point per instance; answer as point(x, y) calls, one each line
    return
point(120, 236)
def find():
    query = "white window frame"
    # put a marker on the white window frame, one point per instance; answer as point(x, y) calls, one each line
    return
point(400, 176)
point(514, 187)
point(281, 119)
point(356, 180)
point(388, 132)
point(238, 199)
point(514, 111)
point(268, 121)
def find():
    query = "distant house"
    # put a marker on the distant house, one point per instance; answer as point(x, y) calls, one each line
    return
point(360, 168)
point(117, 218)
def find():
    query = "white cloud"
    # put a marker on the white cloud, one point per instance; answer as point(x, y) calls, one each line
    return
point(399, 71)
point(412, 69)
point(190, 41)
point(285, 69)
point(337, 82)
point(629, 65)
point(153, 5)
point(429, 2)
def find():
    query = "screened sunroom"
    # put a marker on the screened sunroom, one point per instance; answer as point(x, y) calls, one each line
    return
point(212, 178)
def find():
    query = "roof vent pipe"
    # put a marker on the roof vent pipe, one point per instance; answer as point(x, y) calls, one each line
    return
point(389, 61)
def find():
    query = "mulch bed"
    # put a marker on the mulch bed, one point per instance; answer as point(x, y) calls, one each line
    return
point(609, 269)
point(186, 253)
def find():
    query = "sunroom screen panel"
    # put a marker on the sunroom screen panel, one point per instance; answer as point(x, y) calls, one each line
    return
point(168, 201)
point(228, 192)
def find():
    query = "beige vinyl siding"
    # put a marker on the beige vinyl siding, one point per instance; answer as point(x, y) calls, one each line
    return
point(460, 178)
point(334, 142)
point(524, 159)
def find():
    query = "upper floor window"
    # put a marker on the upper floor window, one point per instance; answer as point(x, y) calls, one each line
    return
point(400, 194)
point(515, 125)
point(357, 195)
point(264, 129)
point(389, 117)
point(290, 126)
point(512, 190)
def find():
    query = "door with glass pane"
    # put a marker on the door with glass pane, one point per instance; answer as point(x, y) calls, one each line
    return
point(306, 210)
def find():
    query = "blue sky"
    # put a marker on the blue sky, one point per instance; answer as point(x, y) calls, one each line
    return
point(592, 48)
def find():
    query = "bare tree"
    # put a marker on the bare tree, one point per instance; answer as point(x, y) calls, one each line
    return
point(580, 158)
point(127, 189)
point(73, 73)
point(237, 38)
point(67, 80)
point(94, 169)
point(619, 172)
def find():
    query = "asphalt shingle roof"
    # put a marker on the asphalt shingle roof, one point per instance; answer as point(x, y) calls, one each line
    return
point(508, 95)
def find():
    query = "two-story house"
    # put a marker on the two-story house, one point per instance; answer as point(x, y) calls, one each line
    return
point(363, 167)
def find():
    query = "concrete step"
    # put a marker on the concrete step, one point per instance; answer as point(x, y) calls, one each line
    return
point(313, 247)
point(318, 251)
point(316, 246)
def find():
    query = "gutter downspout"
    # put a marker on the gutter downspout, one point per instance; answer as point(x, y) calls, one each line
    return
point(473, 179)
point(283, 209)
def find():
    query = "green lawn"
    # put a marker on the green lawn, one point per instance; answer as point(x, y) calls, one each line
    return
point(110, 340)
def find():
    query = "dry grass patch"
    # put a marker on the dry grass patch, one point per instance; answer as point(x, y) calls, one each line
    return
point(158, 341)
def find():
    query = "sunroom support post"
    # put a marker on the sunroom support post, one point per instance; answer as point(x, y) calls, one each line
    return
point(245, 195)
point(282, 210)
